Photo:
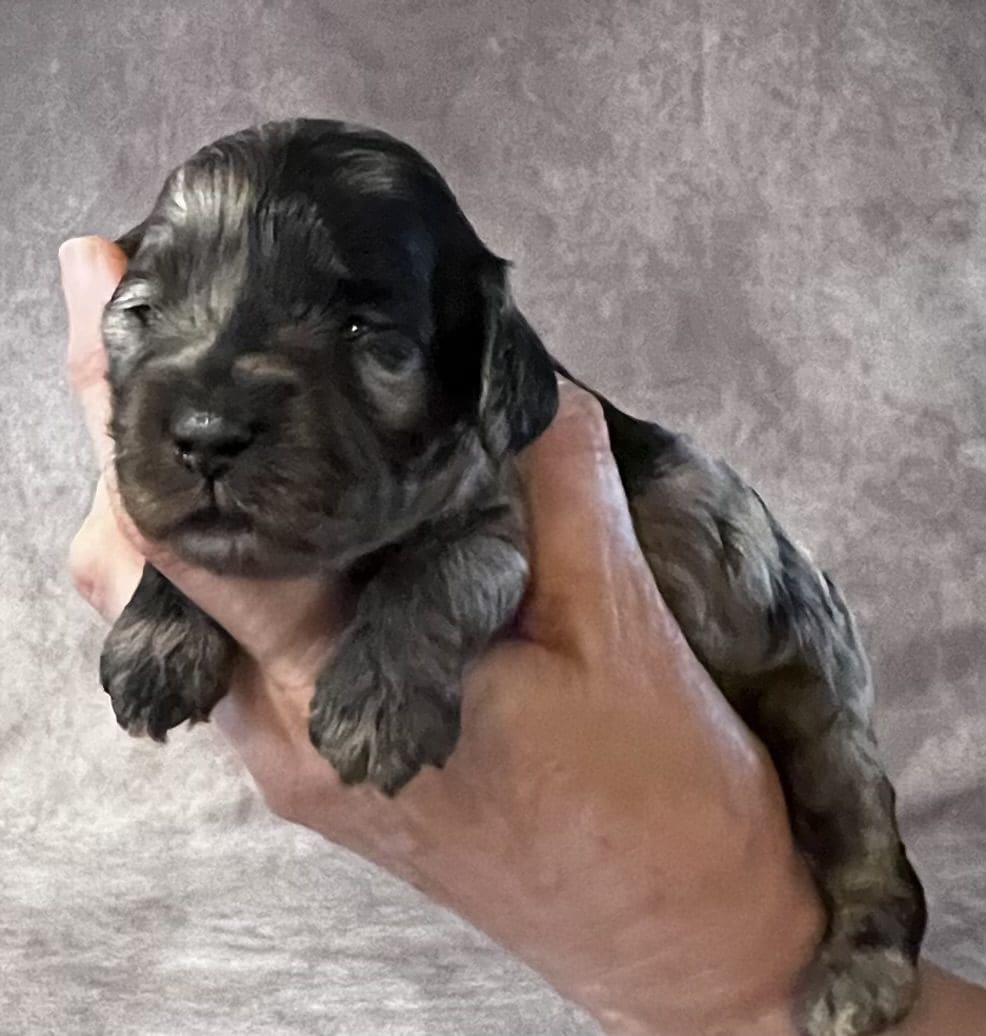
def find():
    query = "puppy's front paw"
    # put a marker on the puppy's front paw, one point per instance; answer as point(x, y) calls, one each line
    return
point(164, 661)
point(856, 992)
point(374, 722)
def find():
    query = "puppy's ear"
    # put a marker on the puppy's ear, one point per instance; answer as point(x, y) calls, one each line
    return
point(512, 377)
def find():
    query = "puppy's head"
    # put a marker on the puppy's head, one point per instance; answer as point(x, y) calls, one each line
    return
point(311, 352)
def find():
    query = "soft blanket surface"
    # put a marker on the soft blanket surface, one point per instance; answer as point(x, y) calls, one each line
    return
point(759, 221)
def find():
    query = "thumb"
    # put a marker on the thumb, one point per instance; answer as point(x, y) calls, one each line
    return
point(588, 571)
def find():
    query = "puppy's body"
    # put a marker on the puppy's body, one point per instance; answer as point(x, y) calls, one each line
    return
point(315, 362)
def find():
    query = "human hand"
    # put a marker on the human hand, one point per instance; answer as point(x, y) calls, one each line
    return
point(605, 815)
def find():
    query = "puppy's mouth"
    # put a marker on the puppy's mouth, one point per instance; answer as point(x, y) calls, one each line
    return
point(214, 521)
point(218, 524)
point(232, 542)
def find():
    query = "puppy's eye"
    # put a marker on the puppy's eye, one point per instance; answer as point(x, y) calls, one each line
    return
point(353, 328)
point(392, 355)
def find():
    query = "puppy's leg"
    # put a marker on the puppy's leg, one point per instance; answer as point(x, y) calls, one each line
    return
point(389, 701)
point(165, 661)
point(776, 635)
point(842, 811)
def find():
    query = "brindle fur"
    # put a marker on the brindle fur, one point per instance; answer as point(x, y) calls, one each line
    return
point(388, 456)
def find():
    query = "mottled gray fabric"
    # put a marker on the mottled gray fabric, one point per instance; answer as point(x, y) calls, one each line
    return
point(759, 221)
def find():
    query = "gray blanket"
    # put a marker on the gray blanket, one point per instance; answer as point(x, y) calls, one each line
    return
point(760, 221)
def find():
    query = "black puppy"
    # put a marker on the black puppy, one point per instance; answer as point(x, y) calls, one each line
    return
point(315, 363)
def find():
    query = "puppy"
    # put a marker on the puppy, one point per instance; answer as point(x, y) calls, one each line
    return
point(315, 363)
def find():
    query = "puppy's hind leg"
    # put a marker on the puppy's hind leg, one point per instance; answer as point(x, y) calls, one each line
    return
point(776, 635)
point(863, 978)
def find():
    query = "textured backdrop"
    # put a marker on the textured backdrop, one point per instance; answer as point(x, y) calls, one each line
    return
point(760, 221)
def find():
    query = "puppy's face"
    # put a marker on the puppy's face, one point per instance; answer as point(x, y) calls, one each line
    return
point(300, 350)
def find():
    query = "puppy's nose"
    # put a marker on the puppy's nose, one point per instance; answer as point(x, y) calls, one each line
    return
point(207, 442)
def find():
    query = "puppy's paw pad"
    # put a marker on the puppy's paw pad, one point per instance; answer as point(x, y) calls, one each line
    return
point(849, 992)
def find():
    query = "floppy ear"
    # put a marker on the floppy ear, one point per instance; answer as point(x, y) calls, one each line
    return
point(510, 377)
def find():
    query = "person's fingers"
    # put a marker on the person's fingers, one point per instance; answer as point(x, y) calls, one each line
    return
point(587, 567)
point(91, 268)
